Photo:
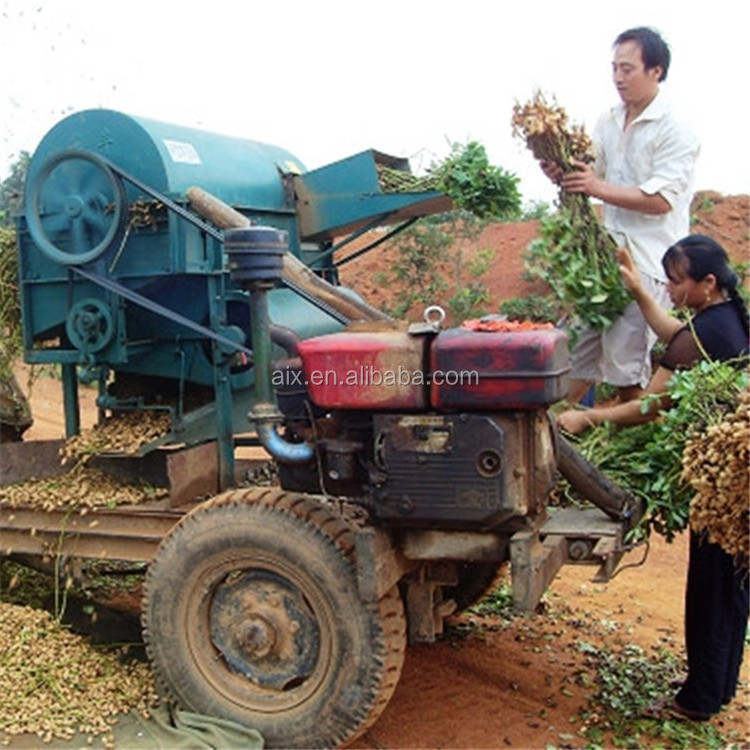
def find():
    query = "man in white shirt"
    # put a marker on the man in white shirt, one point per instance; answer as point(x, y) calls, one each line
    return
point(643, 174)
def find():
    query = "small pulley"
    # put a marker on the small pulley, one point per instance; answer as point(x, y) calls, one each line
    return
point(75, 207)
point(90, 325)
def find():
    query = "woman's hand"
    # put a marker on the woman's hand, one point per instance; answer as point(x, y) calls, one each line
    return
point(630, 276)
point(575, 421)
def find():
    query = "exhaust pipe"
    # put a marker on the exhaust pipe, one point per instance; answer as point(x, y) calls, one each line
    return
point(595, 486)
point(255, 255)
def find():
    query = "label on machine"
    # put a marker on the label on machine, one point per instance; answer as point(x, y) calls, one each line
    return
point(182, 152)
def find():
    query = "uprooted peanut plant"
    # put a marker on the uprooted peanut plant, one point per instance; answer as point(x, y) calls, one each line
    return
point(574, 254)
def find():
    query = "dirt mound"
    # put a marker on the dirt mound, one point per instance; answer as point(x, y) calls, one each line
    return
point(725, 218)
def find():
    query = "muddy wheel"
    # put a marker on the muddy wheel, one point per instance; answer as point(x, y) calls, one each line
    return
point(474, 581)
point(252, 613)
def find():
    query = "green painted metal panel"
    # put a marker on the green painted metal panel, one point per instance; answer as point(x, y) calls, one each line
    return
point(171, 158)
point(346, 196)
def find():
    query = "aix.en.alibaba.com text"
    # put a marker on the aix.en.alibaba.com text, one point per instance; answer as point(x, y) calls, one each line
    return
point(369, 375)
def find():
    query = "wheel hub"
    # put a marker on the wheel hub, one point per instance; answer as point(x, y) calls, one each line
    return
point(256, 637)
point(264, 629)
point(74, 206)
point(90, 325)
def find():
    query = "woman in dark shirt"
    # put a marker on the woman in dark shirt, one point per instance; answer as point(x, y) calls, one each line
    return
point(700, 278)
point(716, 600)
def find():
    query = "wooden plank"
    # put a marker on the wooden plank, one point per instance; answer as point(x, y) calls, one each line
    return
point(33, 459)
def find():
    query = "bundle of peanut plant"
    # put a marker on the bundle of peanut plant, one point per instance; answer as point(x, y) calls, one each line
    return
point(467, 177)
point(716, 465)
point(647, 459)
point(574, 254)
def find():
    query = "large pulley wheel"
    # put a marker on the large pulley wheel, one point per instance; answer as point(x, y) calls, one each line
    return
point(252, 613)
point(75, 207)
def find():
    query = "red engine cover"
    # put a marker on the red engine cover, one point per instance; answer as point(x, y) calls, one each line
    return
point(492, 370)
point(381, 370)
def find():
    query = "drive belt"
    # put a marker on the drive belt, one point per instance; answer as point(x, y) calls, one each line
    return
point(217, 234)
point(155, 307)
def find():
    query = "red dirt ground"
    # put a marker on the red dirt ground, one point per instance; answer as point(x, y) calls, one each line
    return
point(513, 687)
point(514, 684)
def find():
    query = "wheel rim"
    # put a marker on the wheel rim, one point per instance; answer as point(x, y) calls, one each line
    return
point(271, 632)
point(265, 629)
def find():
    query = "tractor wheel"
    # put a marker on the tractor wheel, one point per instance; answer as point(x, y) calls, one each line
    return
point(474, 581)
point(252, 613)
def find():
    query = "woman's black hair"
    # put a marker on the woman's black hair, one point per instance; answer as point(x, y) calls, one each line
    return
point(700, 256)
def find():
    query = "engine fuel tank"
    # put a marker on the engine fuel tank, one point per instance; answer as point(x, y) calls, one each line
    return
point(498, 370)
point(379, 370)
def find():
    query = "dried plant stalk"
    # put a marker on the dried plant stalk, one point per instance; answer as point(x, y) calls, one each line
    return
point(575, 254)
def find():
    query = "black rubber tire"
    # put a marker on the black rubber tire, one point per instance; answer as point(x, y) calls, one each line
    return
point(297, 540)
point(474, 581)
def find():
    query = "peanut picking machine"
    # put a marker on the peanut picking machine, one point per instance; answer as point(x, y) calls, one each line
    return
point(195, 275)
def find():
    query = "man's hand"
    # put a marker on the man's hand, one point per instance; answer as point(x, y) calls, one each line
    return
point(582, 179)
point(552, 170)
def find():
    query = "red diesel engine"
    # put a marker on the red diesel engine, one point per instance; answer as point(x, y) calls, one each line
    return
point(439, 429)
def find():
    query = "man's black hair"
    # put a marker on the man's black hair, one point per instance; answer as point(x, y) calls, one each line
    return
point(654, 50)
